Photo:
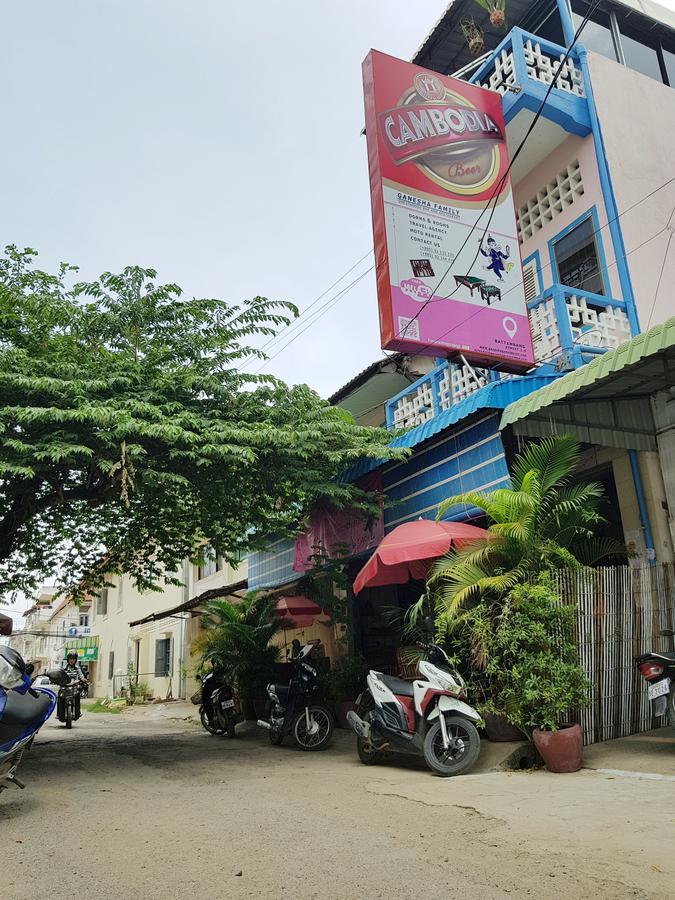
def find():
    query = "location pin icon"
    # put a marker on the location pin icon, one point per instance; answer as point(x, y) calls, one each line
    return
point(509, 325)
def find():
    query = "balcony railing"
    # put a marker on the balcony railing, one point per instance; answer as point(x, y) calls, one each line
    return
point(568, 321)
point(568, 325)
point(523, 67)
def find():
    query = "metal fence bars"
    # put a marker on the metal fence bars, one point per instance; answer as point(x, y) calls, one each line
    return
point(620, 612)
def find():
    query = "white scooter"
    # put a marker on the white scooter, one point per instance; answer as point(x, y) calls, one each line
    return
point(426, 717)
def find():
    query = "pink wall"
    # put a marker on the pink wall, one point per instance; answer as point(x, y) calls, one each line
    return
point(571, 148)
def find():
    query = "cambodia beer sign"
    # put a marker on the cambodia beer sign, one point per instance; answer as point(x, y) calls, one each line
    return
point(437, 155)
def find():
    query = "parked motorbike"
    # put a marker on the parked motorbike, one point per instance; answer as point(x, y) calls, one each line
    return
point(297, 709)
point(425, 717)
point(217, 707)
point(658, 669)
point(67, 703)
point(23, 711)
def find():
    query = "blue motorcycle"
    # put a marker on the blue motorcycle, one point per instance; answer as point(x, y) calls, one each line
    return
point(23, 711)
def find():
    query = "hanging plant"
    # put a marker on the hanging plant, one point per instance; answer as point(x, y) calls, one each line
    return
point(496, 10)
point(473, 34)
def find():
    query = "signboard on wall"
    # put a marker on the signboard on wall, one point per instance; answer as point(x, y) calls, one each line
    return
point(86, 649)
point(437, 156)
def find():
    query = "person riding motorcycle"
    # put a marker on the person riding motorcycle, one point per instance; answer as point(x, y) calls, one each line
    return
point(74, 671)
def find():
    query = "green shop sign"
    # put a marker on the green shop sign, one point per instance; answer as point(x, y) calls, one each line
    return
point(86, 649)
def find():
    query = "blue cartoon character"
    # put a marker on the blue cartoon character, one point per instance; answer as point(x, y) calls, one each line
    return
point(496, 256)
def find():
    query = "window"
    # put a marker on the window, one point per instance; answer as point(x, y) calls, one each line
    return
point(84, 620)
point(210, 564)
point(111, 664)
point(102, 602)
point(597, 35)
point(120, 596)
point(669, 65)
point(530, 282)
point(162, 657)
point(640, 55)
point(577, 259)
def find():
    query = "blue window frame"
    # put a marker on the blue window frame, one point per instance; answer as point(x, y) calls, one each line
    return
point(578, 257)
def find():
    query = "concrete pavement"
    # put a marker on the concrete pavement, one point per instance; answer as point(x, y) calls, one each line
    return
point(164, 810)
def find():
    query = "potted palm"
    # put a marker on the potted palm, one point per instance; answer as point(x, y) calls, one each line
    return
point(236, 638)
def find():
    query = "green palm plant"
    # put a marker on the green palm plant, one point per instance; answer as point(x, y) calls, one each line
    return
point(539, 523)
point(236, 640)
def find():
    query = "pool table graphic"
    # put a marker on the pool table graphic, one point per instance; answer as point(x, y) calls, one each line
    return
point(487, 291)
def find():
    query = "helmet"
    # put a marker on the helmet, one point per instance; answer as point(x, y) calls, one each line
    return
point(71, 655)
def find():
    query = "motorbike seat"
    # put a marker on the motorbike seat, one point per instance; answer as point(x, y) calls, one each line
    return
point(669, 657)
point(20, 712)
point(397, 685)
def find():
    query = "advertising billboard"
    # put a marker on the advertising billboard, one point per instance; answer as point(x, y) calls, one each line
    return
point(438, 158)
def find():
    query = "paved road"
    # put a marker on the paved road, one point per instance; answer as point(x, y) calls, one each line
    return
point(163, 810)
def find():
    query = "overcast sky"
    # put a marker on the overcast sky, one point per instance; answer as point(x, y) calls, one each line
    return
point(216, 141)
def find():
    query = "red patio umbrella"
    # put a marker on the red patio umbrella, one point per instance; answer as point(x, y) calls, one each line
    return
point(300, 612)
point(408, 550)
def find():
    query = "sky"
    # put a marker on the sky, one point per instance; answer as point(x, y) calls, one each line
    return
point(217, 142)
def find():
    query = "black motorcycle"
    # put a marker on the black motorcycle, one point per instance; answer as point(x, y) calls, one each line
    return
point(658, 669)
point(68, 700)
point(217, 707)
point(297, 708)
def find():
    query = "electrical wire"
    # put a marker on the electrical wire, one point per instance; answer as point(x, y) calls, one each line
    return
point(663, 266)
point(502, 181)
point(325, 308)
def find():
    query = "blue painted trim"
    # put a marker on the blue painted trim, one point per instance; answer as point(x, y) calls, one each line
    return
point(566, 22)
point(609, 199)
point(561, 314)
point(596, 299)
point(642, 507)
point(593, 213)
point(540, 275)
point(566, 110)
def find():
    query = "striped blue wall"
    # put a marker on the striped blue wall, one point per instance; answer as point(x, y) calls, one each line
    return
point(273, 566)
point(470, 459)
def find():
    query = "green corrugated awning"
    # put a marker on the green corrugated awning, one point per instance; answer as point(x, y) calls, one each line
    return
point(607, 401)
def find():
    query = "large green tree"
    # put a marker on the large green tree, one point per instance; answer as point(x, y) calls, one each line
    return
point(129, 433)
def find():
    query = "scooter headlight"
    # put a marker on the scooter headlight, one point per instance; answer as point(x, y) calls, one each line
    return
point(10, 676)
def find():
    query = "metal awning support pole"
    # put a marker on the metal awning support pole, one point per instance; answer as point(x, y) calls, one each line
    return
point(566, 21)
point(642, 507)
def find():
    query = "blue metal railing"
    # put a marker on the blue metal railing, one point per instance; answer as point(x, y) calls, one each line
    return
point(573, 348)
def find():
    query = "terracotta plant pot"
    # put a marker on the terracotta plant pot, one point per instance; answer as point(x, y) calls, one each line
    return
point(341, 710)
point(561, 750)
point(499, 728)
point(476, 46)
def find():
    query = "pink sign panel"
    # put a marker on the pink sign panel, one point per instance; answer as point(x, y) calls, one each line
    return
point(437, 156)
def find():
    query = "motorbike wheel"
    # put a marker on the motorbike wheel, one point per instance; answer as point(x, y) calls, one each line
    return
point(231, 730)
point(462, 752)
point(671, 708)
point(276, 737)
point(322, 737)
point(212, 729)
point(69, 714)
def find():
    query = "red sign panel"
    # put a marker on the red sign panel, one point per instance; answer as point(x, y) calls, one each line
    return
point(437, 156)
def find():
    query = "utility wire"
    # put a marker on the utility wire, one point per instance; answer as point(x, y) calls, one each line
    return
point(500, 184)
point(658, 283)
point(292, 325)
point(324, 309)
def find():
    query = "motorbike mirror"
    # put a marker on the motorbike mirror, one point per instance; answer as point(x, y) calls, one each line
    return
point(667, 632)
point(428, 626)
point(30, 668)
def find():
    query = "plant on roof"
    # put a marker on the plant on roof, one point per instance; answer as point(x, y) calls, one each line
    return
point(131, 434)
point(473, 34)
point(496, 9)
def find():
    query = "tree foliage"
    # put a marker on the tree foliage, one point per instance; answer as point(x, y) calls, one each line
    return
point(541, 522)
point(129, 434)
